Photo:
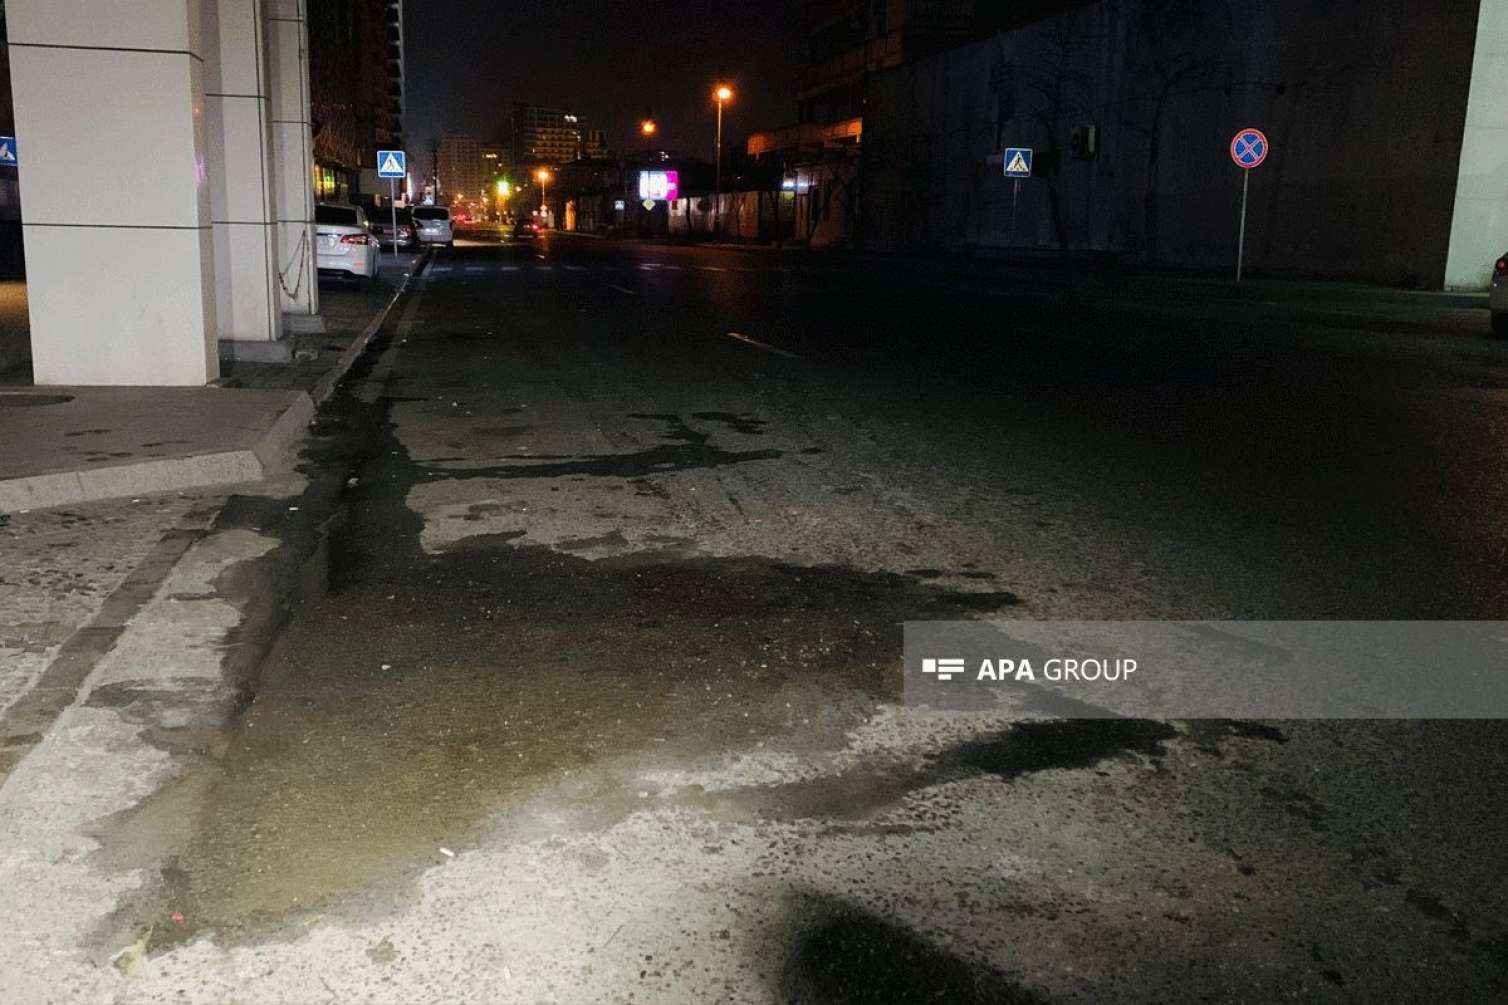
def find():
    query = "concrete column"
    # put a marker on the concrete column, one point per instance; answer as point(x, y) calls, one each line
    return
point(239, 115)
point(1479, 226)
point(292, 155)
point(109, 97)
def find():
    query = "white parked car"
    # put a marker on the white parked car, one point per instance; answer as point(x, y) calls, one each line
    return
point(344, 241)
point(435, 225)
point(1499, 298)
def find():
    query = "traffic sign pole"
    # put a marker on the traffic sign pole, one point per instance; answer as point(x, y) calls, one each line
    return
point(392, 165)
point(1248, 150)
point(1241, 243)
point(392, 198)
point(1017, 162)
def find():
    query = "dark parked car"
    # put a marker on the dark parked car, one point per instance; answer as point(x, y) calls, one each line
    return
point(525, 229)
point(381, 222)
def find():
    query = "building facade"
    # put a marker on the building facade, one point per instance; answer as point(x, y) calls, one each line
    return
point(350, 75)
point(219, 221)
point(1132, 114)
point(497, 161)
point(847, 42)
point(392, 135)
point(594, 147)
point(545, 137)
point(460, 167)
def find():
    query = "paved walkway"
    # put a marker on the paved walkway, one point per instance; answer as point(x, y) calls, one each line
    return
point(69, 445)
point(103, 489)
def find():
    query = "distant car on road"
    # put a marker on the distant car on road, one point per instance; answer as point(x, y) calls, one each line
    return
point(1499, 298)
point(382, 225)
point(343, 241)
point(435, 225)
point(525, 229)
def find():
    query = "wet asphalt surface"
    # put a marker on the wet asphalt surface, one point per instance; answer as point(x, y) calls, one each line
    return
point(601, 567)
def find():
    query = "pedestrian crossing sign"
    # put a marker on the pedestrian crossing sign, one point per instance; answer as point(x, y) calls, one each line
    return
point(1018, 162)
point(8, 152)
point(392, 164)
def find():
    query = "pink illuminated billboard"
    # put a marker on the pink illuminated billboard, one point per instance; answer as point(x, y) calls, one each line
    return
point(659, 185)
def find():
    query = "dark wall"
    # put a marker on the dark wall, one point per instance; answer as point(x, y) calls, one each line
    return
point(1364, 102)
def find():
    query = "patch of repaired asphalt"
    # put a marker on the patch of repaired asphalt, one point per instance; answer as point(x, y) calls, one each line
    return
point(427, 691)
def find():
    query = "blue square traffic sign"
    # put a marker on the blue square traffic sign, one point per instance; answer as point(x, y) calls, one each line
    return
point(1018, 162)
point(8, 156)
point(392, 164)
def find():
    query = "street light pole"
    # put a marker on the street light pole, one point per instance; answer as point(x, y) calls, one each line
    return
point(544, 183)
point(648, 129)
point(722, 94)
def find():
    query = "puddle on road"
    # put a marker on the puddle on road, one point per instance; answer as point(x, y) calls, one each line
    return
point(402, 710)
point(1023, 749)
point(426, 693)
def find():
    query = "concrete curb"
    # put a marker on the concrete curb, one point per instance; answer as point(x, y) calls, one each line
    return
point(63, 488)
point(326, 384)
point(266, 457)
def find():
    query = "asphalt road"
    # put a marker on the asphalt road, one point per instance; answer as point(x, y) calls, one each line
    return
point(602, 702)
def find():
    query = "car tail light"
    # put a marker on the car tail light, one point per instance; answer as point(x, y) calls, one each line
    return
point(1501, 267)
point(356, 239)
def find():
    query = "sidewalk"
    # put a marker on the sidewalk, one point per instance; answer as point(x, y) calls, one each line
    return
point(69, 445)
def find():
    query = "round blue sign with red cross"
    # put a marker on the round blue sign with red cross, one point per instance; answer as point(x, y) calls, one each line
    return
point(1249, 148)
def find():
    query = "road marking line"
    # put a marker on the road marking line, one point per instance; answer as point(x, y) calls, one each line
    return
point(510, 268)
point(544, 268)
point(623, 290)
point(712, 268)
point(575, 268)
point(762, 345)
point(440, 268)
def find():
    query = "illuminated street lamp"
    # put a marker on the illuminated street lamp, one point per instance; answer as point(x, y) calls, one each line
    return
point(502, 189)
point(722, 94)
point(543, 177)
point(647, 129)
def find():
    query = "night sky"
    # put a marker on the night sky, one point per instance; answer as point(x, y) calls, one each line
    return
point(469, 60)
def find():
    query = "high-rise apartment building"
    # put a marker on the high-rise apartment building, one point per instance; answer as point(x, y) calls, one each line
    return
point(460, 166)
point(497, 159)
point(397, 87)
point(545, 136)
point(595, 146)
